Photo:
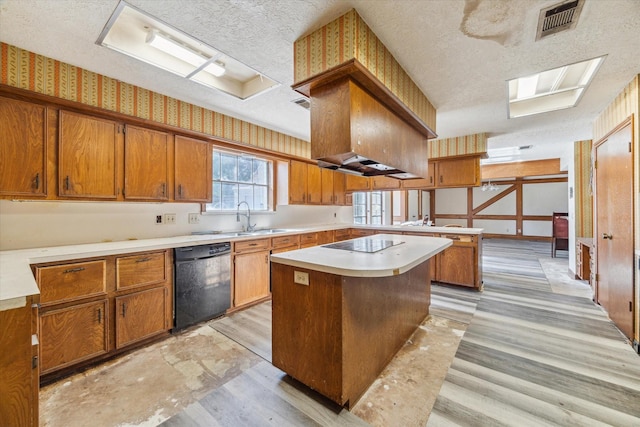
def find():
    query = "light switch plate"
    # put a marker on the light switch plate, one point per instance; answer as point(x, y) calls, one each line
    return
point(170, 218)
point(194, 218)
point(301, 278)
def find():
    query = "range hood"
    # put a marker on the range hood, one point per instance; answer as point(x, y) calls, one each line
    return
point(353, 132)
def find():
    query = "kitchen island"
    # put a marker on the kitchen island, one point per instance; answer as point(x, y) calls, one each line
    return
point(341, 312)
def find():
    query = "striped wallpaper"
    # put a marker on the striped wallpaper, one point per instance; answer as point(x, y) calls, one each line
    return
point(26, 70)
point(583, 195)
point(461, 145)
point(347, 38)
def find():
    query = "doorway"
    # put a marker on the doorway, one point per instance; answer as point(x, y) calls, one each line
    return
point(614, 227)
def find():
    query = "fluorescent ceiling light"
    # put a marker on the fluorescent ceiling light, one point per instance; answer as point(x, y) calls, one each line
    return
point(504, 154)
point(215, 69)
point(551, 90)
point(137, 34)
point(173, 48)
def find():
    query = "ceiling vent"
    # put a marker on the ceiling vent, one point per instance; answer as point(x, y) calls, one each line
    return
point(303, 102)
point(560, 17)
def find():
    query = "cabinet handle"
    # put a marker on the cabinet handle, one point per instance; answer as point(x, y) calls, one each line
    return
point(164, 189)
point(430, 180)
point(440, 179)
point(253, 244)
point(73, 270)
point(66, 183)
point(124, 309)
point(180, 190)
point(606, 236)
point(34, 362)
point(36, 181)
point(144, 259)
point(99, 315)
point(266, 259)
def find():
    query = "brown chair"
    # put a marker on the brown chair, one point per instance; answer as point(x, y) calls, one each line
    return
point(560, 234)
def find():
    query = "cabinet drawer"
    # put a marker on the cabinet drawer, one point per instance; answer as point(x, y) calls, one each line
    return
point(140, 269)
point(285, 241)
point(251, 245)
point(459, 238)
point(357, 232)
point(308, 239)
point(344, 234)
point(65, 282)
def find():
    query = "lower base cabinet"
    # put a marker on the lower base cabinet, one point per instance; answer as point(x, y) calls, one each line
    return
point(73, 334)
point(251, 277)
point(141, 315)
point(453, 266)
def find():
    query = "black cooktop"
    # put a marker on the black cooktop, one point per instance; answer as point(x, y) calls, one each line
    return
point(364, 245)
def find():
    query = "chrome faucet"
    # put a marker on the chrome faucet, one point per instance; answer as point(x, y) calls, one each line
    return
point(248, 215)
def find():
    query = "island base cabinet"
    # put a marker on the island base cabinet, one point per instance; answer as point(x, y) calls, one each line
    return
point(338, 333)
point(73, 334)
point(140, 315)
point(454, 266)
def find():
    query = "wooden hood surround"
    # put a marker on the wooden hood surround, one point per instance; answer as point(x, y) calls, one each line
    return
point(367, 116)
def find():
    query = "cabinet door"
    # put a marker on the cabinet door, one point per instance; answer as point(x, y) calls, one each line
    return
point(145, 164)
point(327, 176)
point(297, 182)
point(357, 183)
point(463, 172)
point(420, 183)
point(140, 315)
point(251, 277)
point(192, 170)
point(385, 183)
point(23, 148)
point(87, 157)
point(73, 334)
point(456, 265)
point(314, 185)
point(339, 195)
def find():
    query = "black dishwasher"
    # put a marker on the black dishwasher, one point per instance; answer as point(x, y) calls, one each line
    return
point(202, 283)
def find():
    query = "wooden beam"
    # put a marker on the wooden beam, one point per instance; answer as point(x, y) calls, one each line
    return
point(494, 199)
point(521, 169)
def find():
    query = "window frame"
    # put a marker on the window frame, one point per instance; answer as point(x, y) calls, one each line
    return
point(208, 208)
point(368, 204)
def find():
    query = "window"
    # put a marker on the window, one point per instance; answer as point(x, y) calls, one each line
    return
point(368, 208)
point(240, 178)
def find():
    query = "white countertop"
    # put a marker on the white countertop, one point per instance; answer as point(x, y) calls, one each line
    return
point(392, 261)
point(17, 281)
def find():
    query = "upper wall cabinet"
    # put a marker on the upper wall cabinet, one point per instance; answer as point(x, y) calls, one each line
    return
point(146, 175)
point(463, 172)
point(23, 148)
point(88, 149)
point(192, 170)
point(297, 182)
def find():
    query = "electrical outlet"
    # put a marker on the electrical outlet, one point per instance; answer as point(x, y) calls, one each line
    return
point(169, 218)
point(194, 218)
point(159, 219)
point(301, 278)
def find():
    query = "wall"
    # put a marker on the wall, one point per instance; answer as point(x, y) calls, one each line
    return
point(458, 146)
point(626, 104)
point(26, 70)
point(539, 199)
point(28, 224)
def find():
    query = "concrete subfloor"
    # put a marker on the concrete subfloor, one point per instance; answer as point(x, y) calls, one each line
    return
point(148, 386)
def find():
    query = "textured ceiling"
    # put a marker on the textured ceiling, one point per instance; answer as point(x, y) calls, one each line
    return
point(460, 53)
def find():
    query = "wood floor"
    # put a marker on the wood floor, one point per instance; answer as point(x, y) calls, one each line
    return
point(531, 350)
point(529, 356)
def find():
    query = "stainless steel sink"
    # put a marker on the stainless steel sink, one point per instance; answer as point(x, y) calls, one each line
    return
point(259, 232)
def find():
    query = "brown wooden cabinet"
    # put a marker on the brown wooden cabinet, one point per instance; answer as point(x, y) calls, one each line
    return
point(339, 194)
point(73, 334)
point(314, 185)
point(192, 170)
point(23, 170)
point(297, 182)
point(94, 308)
point(342, 234)
point(251, 276)
point(357, 183)
point(141, 315)
point(308, 240)
point(453, 265)
point(19, 374)
point(145, 164)
point(87, 157)
point(385, 183)
point(458, 172)
point(584, 258)
point(327, 187)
